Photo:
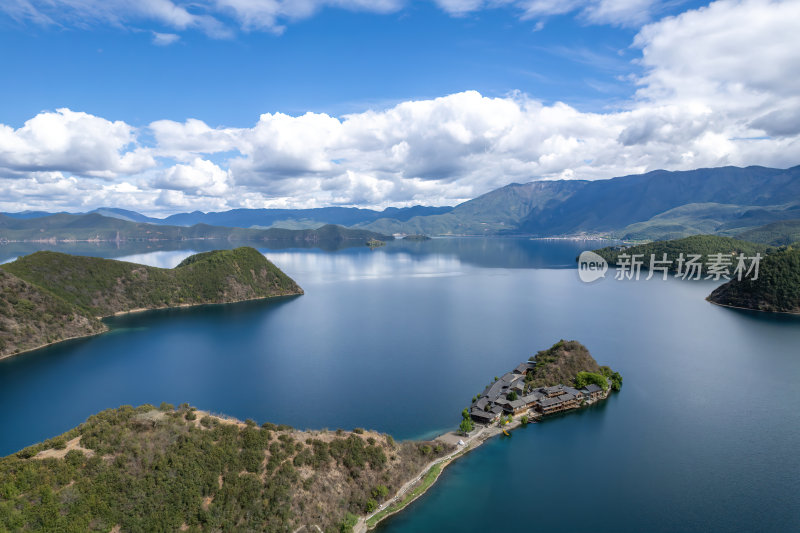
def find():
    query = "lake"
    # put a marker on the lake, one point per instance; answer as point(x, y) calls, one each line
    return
point(704, 435)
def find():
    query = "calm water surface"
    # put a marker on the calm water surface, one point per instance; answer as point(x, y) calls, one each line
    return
point(703, 437)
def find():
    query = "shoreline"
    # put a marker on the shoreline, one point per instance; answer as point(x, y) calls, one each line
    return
point(472, 442)
point(790, 313)
point(370, 522)
point(77, 337)
point(143, 310)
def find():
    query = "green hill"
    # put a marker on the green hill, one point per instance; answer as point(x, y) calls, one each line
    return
point(777, 288)
point(50, 296)
point(776, 234)
point(568, 363)
point(147, 469)
point(707, 218)
point(703, 245)
point(105, 286)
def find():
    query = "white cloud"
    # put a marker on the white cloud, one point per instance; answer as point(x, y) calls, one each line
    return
point(615, 12)
point(165, 39)
point(735, 57)
point(201, 177)
point(716, 90)
point(216, 17)
point(209, 16)
point(74, 142)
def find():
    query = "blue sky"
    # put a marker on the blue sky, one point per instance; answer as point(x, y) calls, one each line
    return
point(167, 98)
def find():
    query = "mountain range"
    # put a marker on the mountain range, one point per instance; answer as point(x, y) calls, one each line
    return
point(260, 218)
point(653, 206)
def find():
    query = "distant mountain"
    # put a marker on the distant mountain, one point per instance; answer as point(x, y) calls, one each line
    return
point(656, 205)
point(96, 227)
point(31, 214)
point(342, 216)
point(261, 218)
point(124, 214)
point(496, 212)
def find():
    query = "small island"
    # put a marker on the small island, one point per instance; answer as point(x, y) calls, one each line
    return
point(48, 297)
point(375, 243)
point(416, 237)
point(561, 378)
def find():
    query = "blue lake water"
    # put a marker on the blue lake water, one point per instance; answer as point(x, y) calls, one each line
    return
point(703, 437)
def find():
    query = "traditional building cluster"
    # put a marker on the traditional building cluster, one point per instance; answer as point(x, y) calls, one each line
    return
point(493, 401)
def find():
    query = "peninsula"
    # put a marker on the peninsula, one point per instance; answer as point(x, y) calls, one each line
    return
point(776, 290)
point(148, 468)
point(47, 297)
point(167, 469)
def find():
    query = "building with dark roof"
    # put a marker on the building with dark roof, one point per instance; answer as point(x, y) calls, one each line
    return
point(592, 391)
point(557, 404)
point(482, 417)
point(552, 392)
point(523, 368)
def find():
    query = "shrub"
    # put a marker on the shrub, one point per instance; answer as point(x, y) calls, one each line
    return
point(380, 492)
point(586, 378)
point(349, 522)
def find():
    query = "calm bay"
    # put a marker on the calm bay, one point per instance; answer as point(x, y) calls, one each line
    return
point(703, 436)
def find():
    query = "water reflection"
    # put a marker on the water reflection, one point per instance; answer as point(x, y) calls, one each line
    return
point(509, 252)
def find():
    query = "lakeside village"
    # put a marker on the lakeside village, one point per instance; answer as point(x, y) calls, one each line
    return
point(514, 395)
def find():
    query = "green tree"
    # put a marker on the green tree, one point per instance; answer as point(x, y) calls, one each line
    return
point(466, 426)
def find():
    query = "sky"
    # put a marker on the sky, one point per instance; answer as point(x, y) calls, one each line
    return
point(165, 106)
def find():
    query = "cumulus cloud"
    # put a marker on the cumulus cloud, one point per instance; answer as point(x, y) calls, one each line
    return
point(714, 91)
point(201, 177)
point(73, 142)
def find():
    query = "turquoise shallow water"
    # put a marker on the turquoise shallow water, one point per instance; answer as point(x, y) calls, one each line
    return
point(703, 437)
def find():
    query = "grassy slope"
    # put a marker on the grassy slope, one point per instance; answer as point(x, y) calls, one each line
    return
point(777, 288)
point(104, 286)
point(153, 470)
point(776, 234)
point(31, 317)
point(697, 244)
point(706, 218)
point(560, 363)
